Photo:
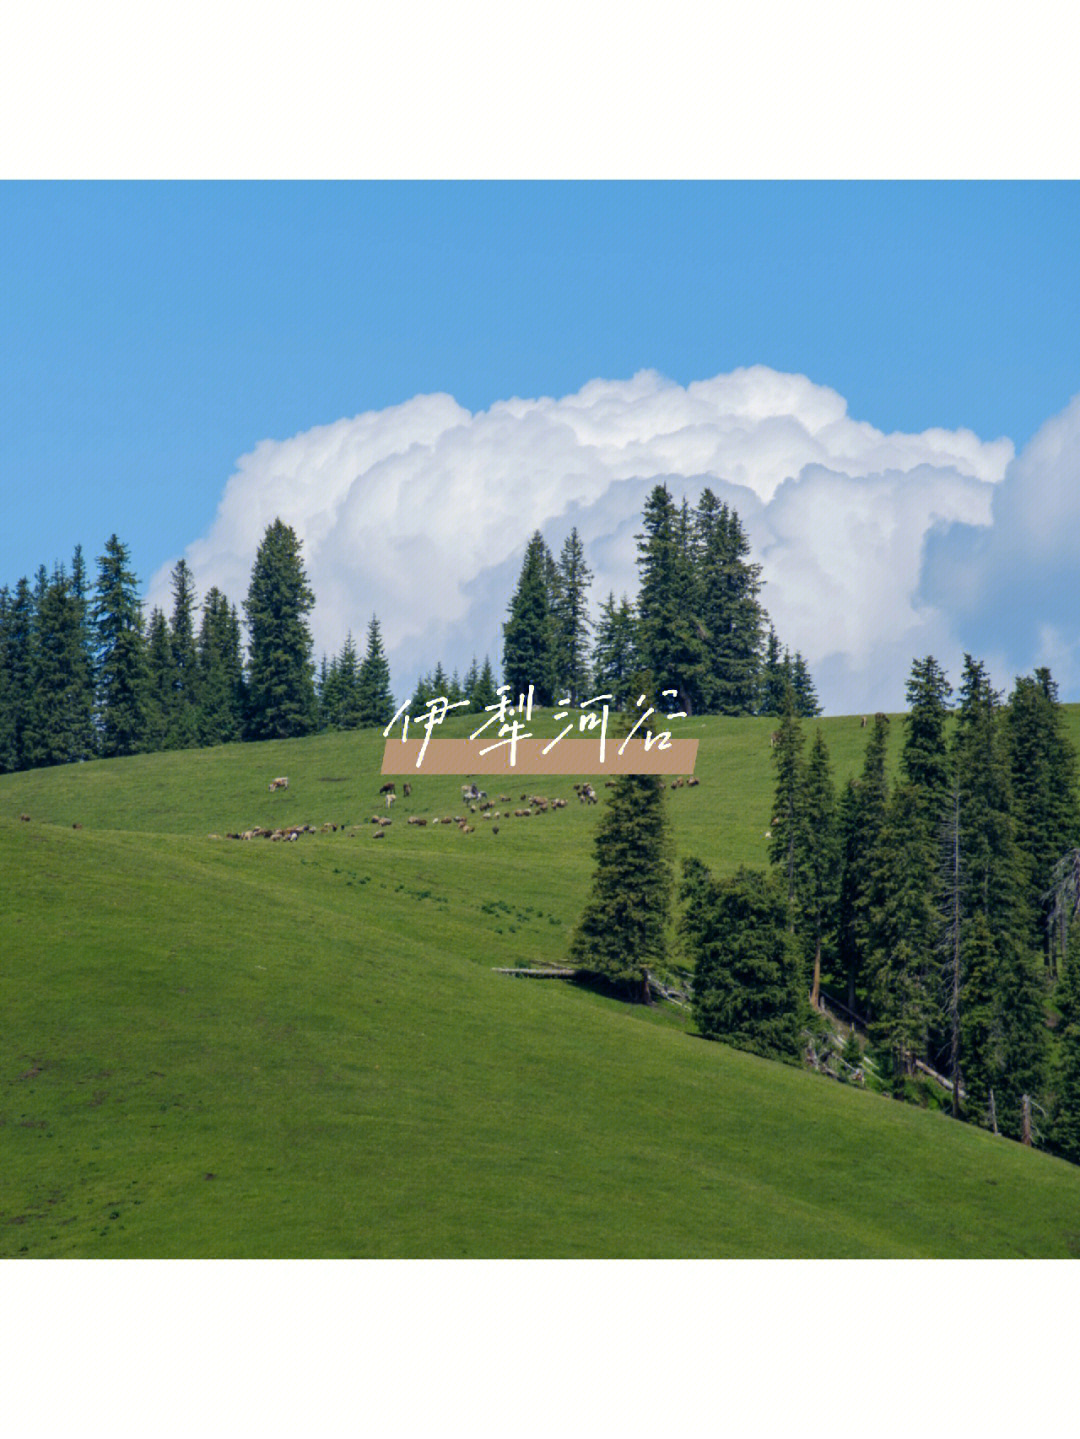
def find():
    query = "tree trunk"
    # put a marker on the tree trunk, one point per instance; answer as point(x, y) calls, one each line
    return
point(993, 1113)
point(1025, 1133)
point(815, 993)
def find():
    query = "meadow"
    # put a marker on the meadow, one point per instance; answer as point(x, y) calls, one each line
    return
point(212, 1048)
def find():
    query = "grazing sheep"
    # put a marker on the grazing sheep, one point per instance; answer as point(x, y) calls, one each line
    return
point(280, 783)
point(379, 834)
point(692, 781)
point(415, 819)
point(388, 788)
point(406, 789)
point(390, 799)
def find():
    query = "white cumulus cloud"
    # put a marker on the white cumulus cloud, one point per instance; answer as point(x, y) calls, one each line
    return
point(420, 513)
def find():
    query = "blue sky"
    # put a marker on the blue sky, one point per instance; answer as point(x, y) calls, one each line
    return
point(155, 333)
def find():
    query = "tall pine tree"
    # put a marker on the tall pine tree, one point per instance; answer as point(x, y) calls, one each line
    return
point(120, 654)
point(281, 670)
point(376, 703)
point(529, 648)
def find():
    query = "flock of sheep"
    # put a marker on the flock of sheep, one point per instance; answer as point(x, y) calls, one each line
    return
point(476, 800)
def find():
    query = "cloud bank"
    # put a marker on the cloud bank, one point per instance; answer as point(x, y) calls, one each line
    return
point(876, 547)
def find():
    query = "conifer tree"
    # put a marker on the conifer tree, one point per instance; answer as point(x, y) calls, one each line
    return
point(774, 681)
point(671, 643)
point(282, 674)
point(570, 620)
point(160, 674)
point(748, 977)
point(1065, 1120)
point(904, 930)
point(924, 759)
point(819, 865)
point(615, 658)
point(1042, 765)
point(791, 837)
point(529, 652)
point(731, 612)
point(184, 705)
point(221, 675)
point(20, 663)
point(9, 756)
point(470, 682)
point(802, 684)
point(621, 934)
point(120, 654)
point(993, 891)
point(376, 703)
point(862, 821)
point(349, 707)
point(485, 691)
point(61, 720)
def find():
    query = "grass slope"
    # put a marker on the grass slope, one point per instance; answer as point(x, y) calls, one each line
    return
point(211, 1048)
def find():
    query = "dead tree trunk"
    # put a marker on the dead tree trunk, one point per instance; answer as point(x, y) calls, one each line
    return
point(1025, 1132)
point(993, 1113)
point(815, 993)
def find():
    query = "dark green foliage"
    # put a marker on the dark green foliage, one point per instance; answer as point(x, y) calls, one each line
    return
point(730, 611)
point(19, 664)
point(9, 754)
point(159, 688)
point(1042, 765)
point(615, 658)
point(924, 759)
point(622, 933)
point(819, 865)
point(120, 655)
point(748, 980)
point(484, 693)
point(992, 895)
point(903, 931)
point(802, 685)
point(339, 689)
point(282, 688)
point(570, 620)
point(1065, 1119)
point(671, 638)
point(862, 816)
point(221, 676)
point(529, 653)
point(60, 723)
point(185, 700)
point(376, 703)
point(790, 832)
point(774, 680)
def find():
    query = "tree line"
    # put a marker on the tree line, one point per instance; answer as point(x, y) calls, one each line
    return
point(697, 624)
point(82, 674)
point(941, 905)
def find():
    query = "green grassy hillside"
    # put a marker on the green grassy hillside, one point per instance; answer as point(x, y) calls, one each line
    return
point(218, 1048)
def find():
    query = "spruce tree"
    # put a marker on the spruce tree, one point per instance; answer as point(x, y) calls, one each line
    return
point(221, 675)
point(1042, 764)
point(731, 613)
point(621, 934)
point(791, 836)
point(570, 620)
point(350, 707)
point(160, 674)
point(120, 658)
point(993, 891)
point(184, 705)
point(470, 682)
point(671, 637)
point(9, 755)
point(819, 866)
point(802, 683)
point(748, 976)
point(1065, 1118)
point(485, 692)
point(924, 759)
point(773, 681)
point(282, 673)
point(61, 724)
point(20, 663)
point(904, 931)
point(376, 703)
point(615, 658)
point(863, 816)
point(529, 649)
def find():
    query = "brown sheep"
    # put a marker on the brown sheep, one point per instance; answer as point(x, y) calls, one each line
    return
point(388, 788)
